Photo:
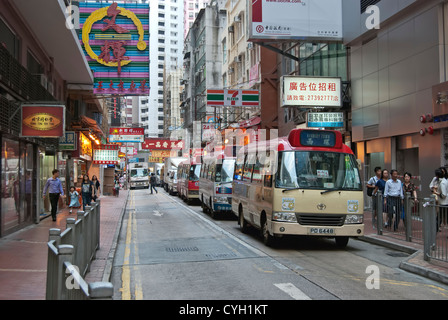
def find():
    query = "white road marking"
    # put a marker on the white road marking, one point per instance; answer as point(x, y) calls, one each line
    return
point(292, 291)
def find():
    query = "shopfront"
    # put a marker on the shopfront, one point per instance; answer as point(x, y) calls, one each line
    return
point(18, 184)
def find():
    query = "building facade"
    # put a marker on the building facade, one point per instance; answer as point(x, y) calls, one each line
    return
point(397, 73)
point(39, 63)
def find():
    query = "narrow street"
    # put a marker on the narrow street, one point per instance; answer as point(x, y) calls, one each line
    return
point(168, 250)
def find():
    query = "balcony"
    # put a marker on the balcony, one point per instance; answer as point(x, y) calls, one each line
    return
point(17, 79)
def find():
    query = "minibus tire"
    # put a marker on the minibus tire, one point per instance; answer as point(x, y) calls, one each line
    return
point(341, 242)
point(244, 227)
point(268, 239)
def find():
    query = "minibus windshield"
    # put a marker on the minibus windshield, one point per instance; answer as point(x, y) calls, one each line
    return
point(194, 172)
point(317, 170)
point(224, 171)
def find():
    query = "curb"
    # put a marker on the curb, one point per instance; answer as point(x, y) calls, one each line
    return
point(407, 264)
point(107, 273)
point(420, 270)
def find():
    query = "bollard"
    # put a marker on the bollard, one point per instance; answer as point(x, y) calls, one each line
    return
point(408, 216)
point(65, 253)
point(379, 212)
point(55, 234)
point(101, 290)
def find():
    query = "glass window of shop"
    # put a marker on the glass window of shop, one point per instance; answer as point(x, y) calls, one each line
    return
point(46, 166)
point(324, 60)
point(17, 185)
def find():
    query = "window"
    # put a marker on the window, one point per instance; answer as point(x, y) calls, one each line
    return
point(248, 166)
point(33, 65)
point(9, 39)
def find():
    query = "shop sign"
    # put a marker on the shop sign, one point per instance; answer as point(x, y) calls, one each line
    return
point(136, 135)
point(86, 150)
point(233, 98)
point(325, 120)
point(311, 92)
point(162, 144)
point(163, 153)
point(68, 141)
point(156, 159)
point(43, 121)
point(115, 40)
point(106, 154)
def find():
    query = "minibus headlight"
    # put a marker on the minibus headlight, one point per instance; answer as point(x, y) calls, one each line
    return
point(354, 219)
point(284, 216)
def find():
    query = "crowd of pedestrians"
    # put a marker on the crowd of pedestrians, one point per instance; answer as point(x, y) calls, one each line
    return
point(393, 192)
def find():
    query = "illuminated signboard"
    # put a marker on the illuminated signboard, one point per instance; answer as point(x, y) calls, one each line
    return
point(311, 92)
point(106, 154)
point(126, 135)
point(43, 121)
point(162, 144)
point(325, 120)
point(315, 138)
point(115, 39)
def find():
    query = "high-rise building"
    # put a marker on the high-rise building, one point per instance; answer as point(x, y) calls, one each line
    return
point(191, 10)
point(166, 43)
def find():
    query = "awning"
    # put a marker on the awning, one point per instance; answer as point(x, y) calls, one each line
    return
point(249, 123)
point(91, 124)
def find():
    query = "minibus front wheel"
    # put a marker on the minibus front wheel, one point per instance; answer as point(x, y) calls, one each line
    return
point(341, 242)
point(268, 239)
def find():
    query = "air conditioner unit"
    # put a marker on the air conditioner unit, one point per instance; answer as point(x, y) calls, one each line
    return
point(231, 70)
point(237, 19)
point(231, 29)
point(238, 59)
point(250, 45)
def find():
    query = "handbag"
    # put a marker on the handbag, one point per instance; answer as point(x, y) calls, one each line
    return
point(369, 192)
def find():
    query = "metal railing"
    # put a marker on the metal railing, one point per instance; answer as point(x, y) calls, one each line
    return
point(70, 254)
point(435, 230)
point(419, 220)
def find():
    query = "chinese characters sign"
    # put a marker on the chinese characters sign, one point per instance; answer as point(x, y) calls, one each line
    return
point(68, 142)
point(115, 40)
point(126, 135)
point(43, 121)
point(106, 154)
point(162, 144)
point(311, 92)
point(325, 120)
point(295, 19)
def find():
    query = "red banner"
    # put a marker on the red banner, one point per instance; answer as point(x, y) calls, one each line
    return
point(162, 144)
point(44, 121)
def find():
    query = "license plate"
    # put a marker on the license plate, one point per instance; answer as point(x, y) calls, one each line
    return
point(325, 231)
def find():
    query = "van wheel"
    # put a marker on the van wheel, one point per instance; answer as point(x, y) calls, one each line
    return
point(244, 226)
point(268, 239)
point(341, 242)
point(204, 206)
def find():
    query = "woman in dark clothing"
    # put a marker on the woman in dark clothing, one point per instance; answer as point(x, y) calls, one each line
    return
point(86, 191)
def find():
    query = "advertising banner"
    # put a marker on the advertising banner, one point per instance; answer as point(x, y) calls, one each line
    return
point(106, 154)
point(295, 20)
point(325, 120)
point(42, 121)
point(162, 144)
point(311, 91)
point(127, 135)
point(115, 39)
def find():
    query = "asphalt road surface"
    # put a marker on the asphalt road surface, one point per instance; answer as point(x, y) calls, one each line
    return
point(169, 250)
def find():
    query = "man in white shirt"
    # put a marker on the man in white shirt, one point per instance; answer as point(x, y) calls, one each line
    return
point(393, 198)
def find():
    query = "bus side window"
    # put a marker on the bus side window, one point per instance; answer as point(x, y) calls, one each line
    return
point(268, 180)
point(248, 166)
point(256, 175)
point(238, 175)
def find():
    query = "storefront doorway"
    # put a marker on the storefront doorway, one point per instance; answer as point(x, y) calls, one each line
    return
point(17, 185)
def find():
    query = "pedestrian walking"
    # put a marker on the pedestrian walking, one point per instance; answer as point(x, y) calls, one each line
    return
point(54, 188)
point(441, 193)
point(86, 192)
point(153, 182)
point(380, 185)
point(74, 199)
point(393, 198)
point(96, 188)
point(117, 187)
point(371, 184)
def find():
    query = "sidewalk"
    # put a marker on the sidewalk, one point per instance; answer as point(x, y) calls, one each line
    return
point(23, 254)
point(415, 263)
